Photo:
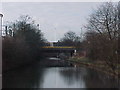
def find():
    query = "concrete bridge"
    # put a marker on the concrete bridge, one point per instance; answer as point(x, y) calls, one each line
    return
point(58, 51)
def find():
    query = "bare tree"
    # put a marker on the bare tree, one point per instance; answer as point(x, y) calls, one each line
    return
point(70, 39)
point(104, 28)
point(24, 46)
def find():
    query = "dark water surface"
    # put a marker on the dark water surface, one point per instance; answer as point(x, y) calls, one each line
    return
point(57, 77)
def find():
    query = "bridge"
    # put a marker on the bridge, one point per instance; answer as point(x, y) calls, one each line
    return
point(58, 51)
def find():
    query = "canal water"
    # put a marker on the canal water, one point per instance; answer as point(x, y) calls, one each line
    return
point(57, 77)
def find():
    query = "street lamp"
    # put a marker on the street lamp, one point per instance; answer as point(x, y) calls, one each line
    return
point(1, 15)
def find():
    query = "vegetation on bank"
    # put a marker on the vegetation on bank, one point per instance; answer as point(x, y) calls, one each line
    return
point(97, 65)
point(101, 40)
point(22, 43)
point(103, 35)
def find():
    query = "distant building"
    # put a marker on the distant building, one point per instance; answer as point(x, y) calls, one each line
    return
point(52, 44)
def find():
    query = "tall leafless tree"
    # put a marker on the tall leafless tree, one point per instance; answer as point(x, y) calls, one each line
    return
point(104, 23)
point(70, 39)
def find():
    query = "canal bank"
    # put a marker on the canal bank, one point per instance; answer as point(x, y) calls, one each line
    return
point(99, 66)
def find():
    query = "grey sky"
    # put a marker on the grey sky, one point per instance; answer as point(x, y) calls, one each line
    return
point(55, 18)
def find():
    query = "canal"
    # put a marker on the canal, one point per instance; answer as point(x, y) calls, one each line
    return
point(36, 76)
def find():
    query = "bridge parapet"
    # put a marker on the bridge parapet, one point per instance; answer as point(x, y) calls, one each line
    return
point(58, 48)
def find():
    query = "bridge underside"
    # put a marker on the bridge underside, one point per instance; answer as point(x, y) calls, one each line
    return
point(56, 52)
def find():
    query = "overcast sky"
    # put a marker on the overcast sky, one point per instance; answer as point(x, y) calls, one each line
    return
point(55, 18)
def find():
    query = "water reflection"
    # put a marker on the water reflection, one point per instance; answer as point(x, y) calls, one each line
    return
point(88, 78)
point(95, 79)
point(73, 76)
point(31, 77)
point(57, 77)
